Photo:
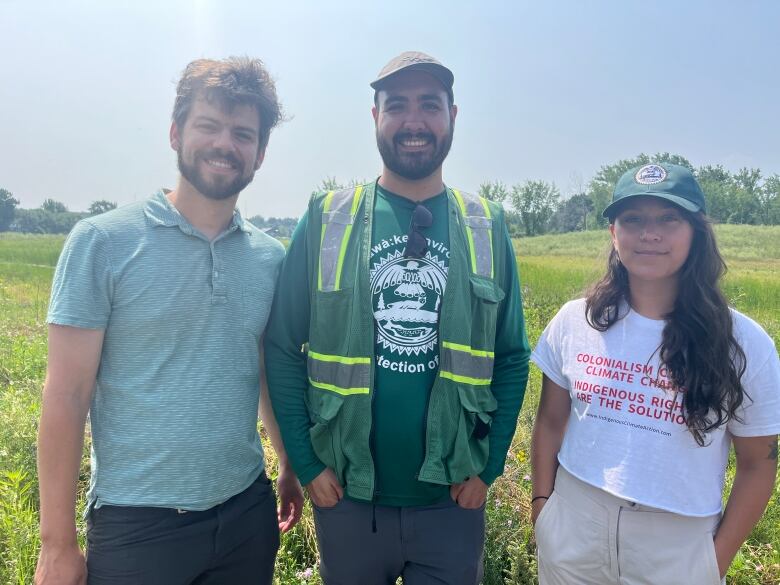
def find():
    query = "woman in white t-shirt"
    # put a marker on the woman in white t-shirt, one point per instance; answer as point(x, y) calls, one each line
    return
point(647, 382)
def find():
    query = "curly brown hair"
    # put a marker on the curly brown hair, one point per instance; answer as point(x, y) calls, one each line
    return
point(230, 82)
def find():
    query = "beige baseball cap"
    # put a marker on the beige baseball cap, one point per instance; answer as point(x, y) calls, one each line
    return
point(415, 60)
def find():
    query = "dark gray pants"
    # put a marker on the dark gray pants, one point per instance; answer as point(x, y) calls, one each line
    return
point(235, 542)
point(442, 543)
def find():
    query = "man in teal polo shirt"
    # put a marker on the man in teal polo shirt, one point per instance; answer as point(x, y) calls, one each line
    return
point(405, 297)
point(156, 318)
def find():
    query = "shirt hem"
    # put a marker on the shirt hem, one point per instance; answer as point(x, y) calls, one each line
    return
point(75, 322)
point(642, 501)
point(98, 501)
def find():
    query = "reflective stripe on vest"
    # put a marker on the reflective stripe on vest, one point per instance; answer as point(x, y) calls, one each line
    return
point(338, 215)
point(476, 216)
point(463, 364)
point(339, 374)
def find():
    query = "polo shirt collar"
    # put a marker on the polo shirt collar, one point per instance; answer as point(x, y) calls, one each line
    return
point(160, 211)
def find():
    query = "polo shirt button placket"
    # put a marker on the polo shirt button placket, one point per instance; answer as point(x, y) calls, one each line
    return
point(218, 290)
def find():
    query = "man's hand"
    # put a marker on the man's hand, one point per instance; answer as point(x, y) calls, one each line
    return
point(290, 498)
point(61, 565)
point(470, 494)
point(325, 490)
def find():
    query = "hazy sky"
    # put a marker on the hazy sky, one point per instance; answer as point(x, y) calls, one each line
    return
point(546, 90)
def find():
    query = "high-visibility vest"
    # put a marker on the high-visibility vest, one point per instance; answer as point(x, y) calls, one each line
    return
point(340, 356)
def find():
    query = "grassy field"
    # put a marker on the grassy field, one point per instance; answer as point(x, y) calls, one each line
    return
point(553, 270)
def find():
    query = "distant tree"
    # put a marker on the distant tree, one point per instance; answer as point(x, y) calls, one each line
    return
point(7, 209)
point(603, 184)
point(53, 206)
point(258, 221)
point(514, 223)
point(40, 221)
point(718, 186)
point(535, 201)
point(494, 191)
point(276, 226)
point(331, 184)
point(745, 206)
point(101, 206)
point(572, 214)
point(769, 200)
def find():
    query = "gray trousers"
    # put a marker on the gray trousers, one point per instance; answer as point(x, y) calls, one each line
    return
point(362, 544)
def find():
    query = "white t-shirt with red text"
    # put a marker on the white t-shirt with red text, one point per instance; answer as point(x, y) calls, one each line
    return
point(626, 433)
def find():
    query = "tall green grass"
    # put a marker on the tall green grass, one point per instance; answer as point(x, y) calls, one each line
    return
point(30, 249)
point(553, 269)
point(736, 242)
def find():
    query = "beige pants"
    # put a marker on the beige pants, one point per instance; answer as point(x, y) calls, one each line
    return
point(586, 536)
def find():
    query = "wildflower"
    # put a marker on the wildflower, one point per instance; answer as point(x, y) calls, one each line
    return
point(306, 574)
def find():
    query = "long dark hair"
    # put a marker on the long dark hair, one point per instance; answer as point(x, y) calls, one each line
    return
point(698, 347)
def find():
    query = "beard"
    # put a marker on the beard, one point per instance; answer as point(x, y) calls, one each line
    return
point(218, 188)
point(414, 165)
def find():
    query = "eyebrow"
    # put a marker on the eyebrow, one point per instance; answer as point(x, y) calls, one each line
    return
point(204, 118)
point(391, 99)
point(426, 97)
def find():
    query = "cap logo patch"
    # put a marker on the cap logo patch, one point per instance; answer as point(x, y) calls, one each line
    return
point(650, 175)
point(416, 59)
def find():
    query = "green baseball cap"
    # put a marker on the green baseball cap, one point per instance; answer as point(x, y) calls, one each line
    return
point(667, 181)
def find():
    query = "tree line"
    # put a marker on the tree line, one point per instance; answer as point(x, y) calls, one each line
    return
point(533, 208)
point(53, 217)
point(536, 207)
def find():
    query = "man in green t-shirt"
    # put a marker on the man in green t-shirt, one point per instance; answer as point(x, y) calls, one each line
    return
point(396, 440)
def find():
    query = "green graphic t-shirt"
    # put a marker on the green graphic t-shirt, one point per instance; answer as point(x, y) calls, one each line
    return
point(406, 297)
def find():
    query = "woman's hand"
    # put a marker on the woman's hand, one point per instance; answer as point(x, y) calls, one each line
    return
point(549, 428)
point(753, 483)
point(536, 509)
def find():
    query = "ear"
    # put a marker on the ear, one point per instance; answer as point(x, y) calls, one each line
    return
point(260, 158)
point(375, 114)
point(174, 136)
point(453, 113)
point(612, 234)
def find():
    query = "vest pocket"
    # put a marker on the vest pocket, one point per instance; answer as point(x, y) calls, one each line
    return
point(330, 319)
point(485, 297)
point(325, 437)
point(471, 446)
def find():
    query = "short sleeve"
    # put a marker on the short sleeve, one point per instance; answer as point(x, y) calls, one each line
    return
point(82, 288)
point(547, 354)
point(759, 414)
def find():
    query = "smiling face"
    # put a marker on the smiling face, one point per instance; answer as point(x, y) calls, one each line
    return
point(218, 149)
point(414, 124)
point(653, 239)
